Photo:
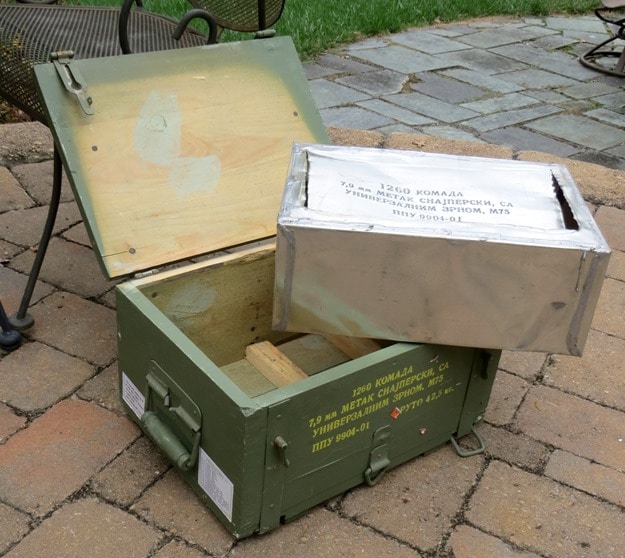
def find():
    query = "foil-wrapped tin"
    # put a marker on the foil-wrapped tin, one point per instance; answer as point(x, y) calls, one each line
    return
point(420, 247)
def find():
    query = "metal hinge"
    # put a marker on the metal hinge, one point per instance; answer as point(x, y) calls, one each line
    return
point(143, 274)
point(72, 79)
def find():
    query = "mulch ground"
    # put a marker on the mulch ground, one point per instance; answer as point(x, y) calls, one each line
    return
point(10, 114)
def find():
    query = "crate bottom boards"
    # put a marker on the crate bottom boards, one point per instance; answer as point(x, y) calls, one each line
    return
point(264, 425)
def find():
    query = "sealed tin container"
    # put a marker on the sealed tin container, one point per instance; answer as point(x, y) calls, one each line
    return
point(436, 248)
point(186, 154)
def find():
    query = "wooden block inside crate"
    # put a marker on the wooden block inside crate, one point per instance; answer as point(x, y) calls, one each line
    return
point(273, 364)
point(312, 354)
point(354, 347)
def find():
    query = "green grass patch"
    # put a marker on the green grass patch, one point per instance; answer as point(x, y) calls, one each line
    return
point(319, 25)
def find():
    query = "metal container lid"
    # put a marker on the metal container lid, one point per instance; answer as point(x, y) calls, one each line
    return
point(437, 195)
point(185, 152)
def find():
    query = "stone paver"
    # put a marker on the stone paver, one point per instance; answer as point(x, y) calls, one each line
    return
point(467, 542)
point(508, 392)
point(173, 506)
point(429, 43)
point(573, 424)
point(9, 421)
point(179, 550)
point(352, 116)
point(37, 376)
point(431, 107)
point(616, 267)
point(67, 322)
point(587, 476)
point(447, 90)
point(396, 113)
point(579, 375)
point(479, 79)
point(590, 89)
point(490, 38)
point(69, 265)
point(61, 450)
point(104, 389)
point(383, 82)
point(589, 133)
point(506, 102)
point(8, 250)
point(516, 449)
point(126, 477)
point(24, 227)
point(322, 534)
point(606, 320)
point(526, 365)
point(344, 64)
point(521, 139)
point(88, 528)
point(551, 61)
point(36, 179)
point(542, 516)
point(610, 221)
point(77, 234)
point(12, 195)
point(13, 284)
point(330, 94)
point(416, 502)
point(402, 59)
point(15, 525)
point(510, 118)
point(483, 61)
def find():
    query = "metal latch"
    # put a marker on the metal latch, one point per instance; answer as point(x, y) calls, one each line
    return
point(281, 444)
point(378, 458)
point(72, 79)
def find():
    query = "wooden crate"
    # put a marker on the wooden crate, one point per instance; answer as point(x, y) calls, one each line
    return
point(284, 421)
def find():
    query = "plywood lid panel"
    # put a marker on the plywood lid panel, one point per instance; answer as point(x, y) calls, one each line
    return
point(187, 151)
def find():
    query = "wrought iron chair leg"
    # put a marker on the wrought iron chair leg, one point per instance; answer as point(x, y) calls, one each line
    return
point(22, 319)
point(9, 338)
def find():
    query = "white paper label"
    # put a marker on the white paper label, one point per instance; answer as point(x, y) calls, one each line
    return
point(415, 192)
point(215, 483)
point(132, 396)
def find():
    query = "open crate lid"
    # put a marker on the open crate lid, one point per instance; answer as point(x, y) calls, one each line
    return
point(186, 151)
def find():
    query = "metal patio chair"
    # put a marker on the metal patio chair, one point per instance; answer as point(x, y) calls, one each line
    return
point(255, 16)
point(31, 33)
point(600, 56)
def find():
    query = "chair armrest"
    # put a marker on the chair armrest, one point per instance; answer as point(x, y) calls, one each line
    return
point(201, 14)
point(124, 17)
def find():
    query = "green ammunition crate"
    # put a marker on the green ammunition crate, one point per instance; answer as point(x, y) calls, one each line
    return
point(177, 154)
point(257, 454)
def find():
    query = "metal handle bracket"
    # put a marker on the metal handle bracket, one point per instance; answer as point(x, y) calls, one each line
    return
point(468, 453)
